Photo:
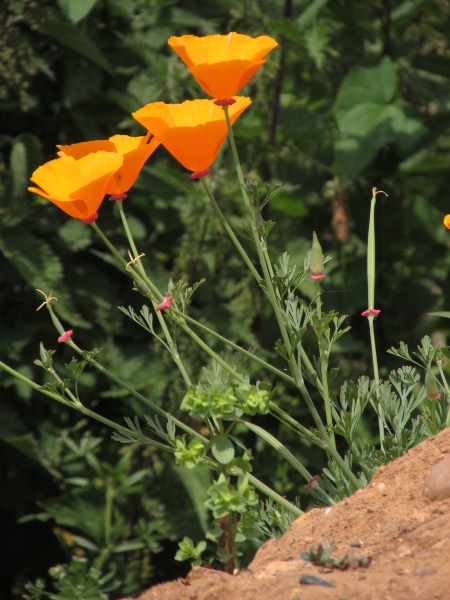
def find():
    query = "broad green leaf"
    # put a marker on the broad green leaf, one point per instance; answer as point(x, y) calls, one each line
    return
point(222, 449)
point(363, 118)
point(375, 85)
point(406, 130)
point(354, 154)
point(76, 10)
point(70, 36)
point(442, 313)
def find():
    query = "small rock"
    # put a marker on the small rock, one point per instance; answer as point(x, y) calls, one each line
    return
point(313, 580)
point(437, 481)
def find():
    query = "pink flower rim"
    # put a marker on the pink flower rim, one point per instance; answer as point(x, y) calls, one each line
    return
point(65, 336)
point(313, 482)
point(117, 197)
point(224, 102)
point(90, 219)
point(316, 277)
point(371, 312)
point(198, 174)
point(165, 304)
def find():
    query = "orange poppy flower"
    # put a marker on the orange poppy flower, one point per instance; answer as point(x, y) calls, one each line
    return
point(77, 186)
point(222, 64)
point(135, 152)
point(447, 221)
point(192, 131)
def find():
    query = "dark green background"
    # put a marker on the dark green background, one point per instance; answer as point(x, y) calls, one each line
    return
point(356, 95)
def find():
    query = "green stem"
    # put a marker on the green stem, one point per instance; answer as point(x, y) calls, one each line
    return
point(234, 346)
point(371, 306)
point(294, 425)
point(269, 492)
point(433, 417)
point(273, 301)
point(108, 513)
point(279, 447)
point(324, 366)
point(123, 384)
point(256, 238)
point(141, 275)
point(444, 379)
point(83, 410)
point(230, 232)
point(325, 388)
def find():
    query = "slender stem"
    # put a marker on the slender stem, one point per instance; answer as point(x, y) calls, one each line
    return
point(371, 307)
point(140, 274)
point(231, 344)
point(325, 388)
point(122, 383)
point(294, 425)
point(256, 238)
point(433, 417)
point(230, 232)
point(330, 448)
point(279, 447)
point(269, 492)
point(441, 373)
point(211, 353)
point(82, 409)
point(275, 305)
point(108, 512)
point(324, 366)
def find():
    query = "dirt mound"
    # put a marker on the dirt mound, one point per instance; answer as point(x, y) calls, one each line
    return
point(406, 536)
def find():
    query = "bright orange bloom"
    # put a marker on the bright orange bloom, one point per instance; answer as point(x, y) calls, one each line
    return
point(222, 64)
point(77, 186)
point(135, 152)
point(447, 221)
point(192, 131)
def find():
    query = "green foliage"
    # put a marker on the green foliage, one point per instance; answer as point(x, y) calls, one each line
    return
point(75, 581)
point(356, 96)
point(322, 556)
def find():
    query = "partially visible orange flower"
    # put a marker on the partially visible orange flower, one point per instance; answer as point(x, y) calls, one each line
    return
point(222, 64)
point(192, 131)
point(77, 186)
point(135, 152)
point(447, 221)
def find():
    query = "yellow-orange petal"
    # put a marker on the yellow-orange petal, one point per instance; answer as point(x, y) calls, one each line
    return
point(133, 161)
point(81, 149)
point(225, 79)
point(207, 57)
point(447, 221)
point(192, 131)
point(76, 186)
point(134, 150)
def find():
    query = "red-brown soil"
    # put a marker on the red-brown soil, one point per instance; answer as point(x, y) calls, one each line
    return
point(406, 536)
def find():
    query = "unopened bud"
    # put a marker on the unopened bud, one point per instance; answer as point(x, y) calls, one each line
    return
point(141, 287)
point(316, 263)
point(431, 385)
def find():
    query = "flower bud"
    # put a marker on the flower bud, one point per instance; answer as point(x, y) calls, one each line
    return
point(316, 260)
point(431, 385)
point(141, 287)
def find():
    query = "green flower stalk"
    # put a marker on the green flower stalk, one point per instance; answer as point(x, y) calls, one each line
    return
point(316, 267)
point(371, 313)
